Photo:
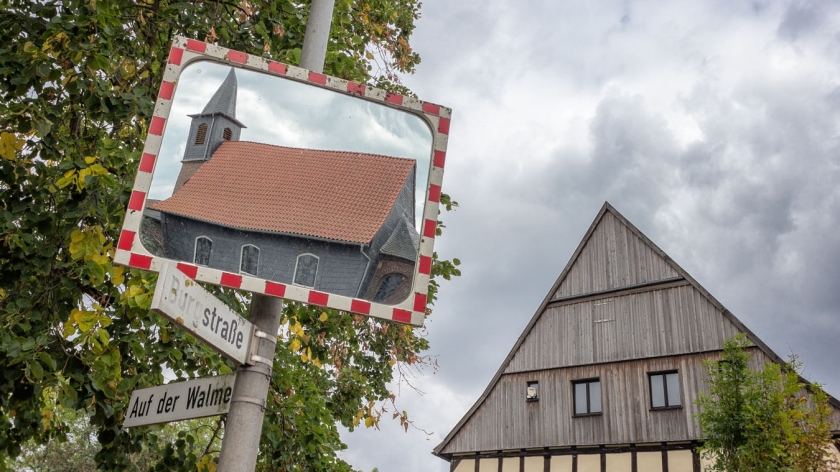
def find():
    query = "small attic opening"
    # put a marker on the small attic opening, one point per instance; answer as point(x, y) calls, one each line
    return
point(532, 391)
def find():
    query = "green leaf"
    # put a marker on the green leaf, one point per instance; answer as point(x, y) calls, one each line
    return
point(103, 336)
point(98, 62)
point(28, 344)
point(47, 360)
point(36, 370)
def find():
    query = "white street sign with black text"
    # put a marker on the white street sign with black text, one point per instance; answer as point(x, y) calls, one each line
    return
point(180, 401)
point(193, 308)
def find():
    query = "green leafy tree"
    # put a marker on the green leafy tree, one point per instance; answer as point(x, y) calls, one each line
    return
point(768, 420)
point(78, 83)
point(75, 451)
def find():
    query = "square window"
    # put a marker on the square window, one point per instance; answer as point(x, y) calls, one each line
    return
point(665, 390)
point(587, 397)
point(532, 391)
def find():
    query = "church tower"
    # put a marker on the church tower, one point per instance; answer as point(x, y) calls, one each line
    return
point(215, 124)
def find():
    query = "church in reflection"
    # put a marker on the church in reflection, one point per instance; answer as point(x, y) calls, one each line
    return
point(335, 221)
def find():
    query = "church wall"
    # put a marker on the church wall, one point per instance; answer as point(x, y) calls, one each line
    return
point(390, 265)
point(402, 210)
point(340, 267)
point(188, 168)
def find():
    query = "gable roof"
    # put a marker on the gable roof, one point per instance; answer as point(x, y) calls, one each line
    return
point(403, 243)
point(599, 255)
point(331, 195)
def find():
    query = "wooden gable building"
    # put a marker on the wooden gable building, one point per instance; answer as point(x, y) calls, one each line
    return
point(605, 376)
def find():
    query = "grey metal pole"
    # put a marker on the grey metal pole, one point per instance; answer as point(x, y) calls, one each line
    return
point(317, 34)
point(243, 427)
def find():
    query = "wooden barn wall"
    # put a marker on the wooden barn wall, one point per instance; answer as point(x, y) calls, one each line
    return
point(676, 320)
point(613, 257)
point(506, 421)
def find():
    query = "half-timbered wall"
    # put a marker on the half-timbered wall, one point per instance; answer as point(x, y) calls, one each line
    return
point(678, 457)
point(682, 458)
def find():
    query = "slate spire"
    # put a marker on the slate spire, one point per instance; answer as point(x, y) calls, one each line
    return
point(224, 100)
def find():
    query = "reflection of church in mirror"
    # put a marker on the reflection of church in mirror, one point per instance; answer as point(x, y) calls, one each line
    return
point(335, 221)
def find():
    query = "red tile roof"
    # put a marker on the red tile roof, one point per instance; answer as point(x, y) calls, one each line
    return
point(334, 195)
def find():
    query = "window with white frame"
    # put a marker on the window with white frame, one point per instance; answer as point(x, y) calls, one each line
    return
point(587, 397)
point(249, 259)
point(665, 390)
point(203, 249)
point(305, 270)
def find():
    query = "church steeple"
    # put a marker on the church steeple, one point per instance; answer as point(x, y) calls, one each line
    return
point(224, 100)
point(215, 124)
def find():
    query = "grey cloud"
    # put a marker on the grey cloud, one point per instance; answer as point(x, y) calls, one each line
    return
point(801, 18)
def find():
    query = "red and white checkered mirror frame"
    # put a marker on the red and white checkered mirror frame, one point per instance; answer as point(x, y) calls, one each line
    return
point(130, 252)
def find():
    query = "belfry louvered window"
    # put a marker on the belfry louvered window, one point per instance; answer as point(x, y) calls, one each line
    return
point(201, 133)
point(227, 134)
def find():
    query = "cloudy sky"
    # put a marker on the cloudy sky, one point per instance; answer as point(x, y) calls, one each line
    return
point(711, 125)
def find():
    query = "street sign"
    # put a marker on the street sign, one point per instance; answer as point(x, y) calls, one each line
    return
point(180, 401)
point(193, 308)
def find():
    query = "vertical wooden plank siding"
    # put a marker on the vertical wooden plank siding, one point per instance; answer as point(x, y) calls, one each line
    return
point(506, 421)
point(613, 257)
point(670, 321)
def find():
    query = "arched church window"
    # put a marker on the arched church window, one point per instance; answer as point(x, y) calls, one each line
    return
point(203, 248)
point(201, 134)
point(305, 270)
point(227, 134)
point(249, 260)
point(390, 284)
